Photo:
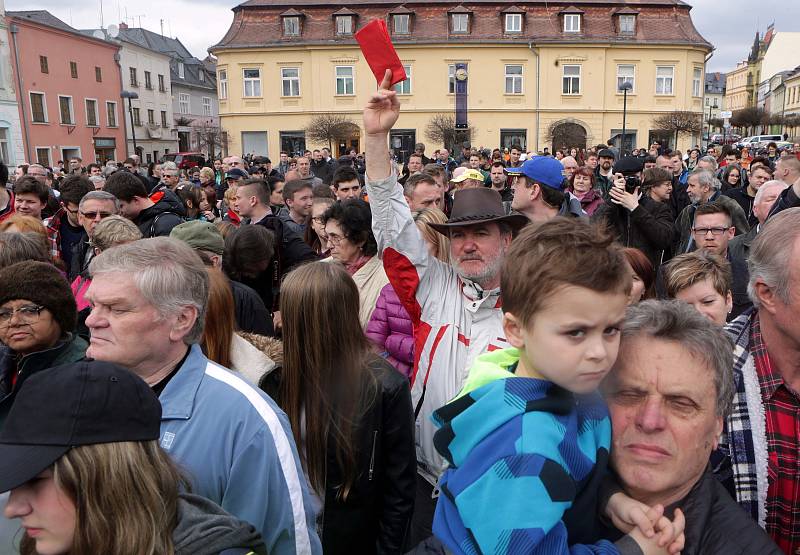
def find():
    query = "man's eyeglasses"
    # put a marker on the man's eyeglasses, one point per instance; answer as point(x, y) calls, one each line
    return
point(92, 215)
point(28, 314)
point(714, 230)
point(70, 210)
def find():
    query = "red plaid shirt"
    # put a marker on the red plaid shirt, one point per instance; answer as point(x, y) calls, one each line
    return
point(782, 407)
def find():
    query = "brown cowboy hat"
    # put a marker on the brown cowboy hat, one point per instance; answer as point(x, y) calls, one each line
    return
point(479, 206)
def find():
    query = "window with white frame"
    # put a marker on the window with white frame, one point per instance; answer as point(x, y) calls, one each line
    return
point(459, 22)
point(665, 78)
point(252, 82)
point(161, 86)
point(344, 80)
point(137, 118)
point(400, 23)
point(4, 144)
point(164, 119)
point(201, 75)
point(223, 84)
point(404, 87)
point(627, 24)
point(697, 78)
point(207, 106)
point(513, 23)
point(181, 71)
point(290, 81)
point(111, 114)
point(91, 113)
point(38, 108)
point(66, 110)
point(514, 79)
point(183, 103)
point(43, 155)
point(344, 24)
point(626, 73)
point(291, 26)
point(572, 23)
point(151, 116)
point(571, 81)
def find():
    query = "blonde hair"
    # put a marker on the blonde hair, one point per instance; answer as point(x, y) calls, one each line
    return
point(230, 194)
point(207, 172)
point(687, 269)
point(24, 224)
point(114, 230)
point(125, 496)
point(440, 242)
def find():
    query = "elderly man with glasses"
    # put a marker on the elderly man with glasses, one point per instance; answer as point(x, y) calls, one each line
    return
point(94, 207)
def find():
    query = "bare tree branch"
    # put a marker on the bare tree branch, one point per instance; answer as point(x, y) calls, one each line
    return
point(679, 121)
point(327, 128)
point(441, 129)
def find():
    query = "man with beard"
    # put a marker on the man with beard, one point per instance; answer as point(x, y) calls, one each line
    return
point(455, 309)
point(603, 176)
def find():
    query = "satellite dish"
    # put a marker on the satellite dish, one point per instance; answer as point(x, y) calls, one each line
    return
point(113, 30)
point(99, 34)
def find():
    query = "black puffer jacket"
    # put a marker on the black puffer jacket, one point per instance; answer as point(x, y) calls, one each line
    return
point(648, 228)
point(159, 219)
point(377, 513)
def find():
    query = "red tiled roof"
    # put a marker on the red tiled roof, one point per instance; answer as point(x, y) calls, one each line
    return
point(257, 23)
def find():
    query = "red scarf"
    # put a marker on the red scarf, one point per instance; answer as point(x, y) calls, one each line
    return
point(357, 265)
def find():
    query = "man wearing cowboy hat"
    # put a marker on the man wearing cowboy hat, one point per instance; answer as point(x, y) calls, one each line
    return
point(455, 307)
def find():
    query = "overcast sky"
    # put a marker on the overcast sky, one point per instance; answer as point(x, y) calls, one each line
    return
point(729, 25)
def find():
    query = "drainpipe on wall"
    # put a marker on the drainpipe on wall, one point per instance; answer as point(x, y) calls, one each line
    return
point(14, 29)
point(118, 60)
point(536, 132)
point(702, 106)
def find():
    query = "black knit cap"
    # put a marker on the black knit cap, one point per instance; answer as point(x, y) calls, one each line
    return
point(42, 284)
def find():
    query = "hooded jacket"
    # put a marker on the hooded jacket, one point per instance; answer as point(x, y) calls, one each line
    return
point(522, 452)
point(205, 529)
point(159, 219)
point(391, 330)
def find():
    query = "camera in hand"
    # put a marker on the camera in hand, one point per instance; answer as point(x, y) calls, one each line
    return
point(631, 183)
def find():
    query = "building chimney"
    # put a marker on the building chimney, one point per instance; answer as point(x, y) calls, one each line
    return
point(123, 25)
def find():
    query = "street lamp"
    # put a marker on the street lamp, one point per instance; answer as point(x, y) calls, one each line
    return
point(130, 95)
point(625, 86)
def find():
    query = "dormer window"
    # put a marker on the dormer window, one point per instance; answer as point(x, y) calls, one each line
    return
point(400, 23)
point(513, 23)
point(344, 24)
point(572, 23)
point(291, 26)
point(459, 23)
point(627, 24)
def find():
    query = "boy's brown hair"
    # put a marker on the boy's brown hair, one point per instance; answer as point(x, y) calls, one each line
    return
point(557, 253)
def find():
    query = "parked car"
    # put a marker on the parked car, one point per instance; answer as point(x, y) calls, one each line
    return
point(759, 141)
point(185, 160)
point(729, 139)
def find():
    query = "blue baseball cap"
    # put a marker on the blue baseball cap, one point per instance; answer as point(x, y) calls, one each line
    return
point(541, 169)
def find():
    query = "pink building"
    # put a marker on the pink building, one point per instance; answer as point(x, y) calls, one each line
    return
point(69, 90)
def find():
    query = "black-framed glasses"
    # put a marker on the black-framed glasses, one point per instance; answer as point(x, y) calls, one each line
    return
point(713, 230)
point(28, 314)
point(335, 240)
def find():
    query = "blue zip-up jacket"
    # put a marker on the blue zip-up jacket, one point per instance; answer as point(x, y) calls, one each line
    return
point(237, 447)
point(521, 451)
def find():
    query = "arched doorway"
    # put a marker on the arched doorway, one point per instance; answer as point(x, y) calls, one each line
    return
point(566, 135)
point(347, 138)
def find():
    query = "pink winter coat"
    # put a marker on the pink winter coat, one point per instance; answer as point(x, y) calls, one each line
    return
point(390, 329)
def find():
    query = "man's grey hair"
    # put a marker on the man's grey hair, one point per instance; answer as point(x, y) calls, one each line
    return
point(167, 272)
point(710, 160)
point(169, 166)
point(764, 189)
point(114, 230)
point(706, 179)
point(771, 252)
point(681, 324)
point(99, 195)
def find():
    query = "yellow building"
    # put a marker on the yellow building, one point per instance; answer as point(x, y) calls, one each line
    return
point(539, 73)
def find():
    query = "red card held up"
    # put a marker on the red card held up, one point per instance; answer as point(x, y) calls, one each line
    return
point(379, 52)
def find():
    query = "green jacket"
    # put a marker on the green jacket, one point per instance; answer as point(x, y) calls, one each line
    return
point(71, 348)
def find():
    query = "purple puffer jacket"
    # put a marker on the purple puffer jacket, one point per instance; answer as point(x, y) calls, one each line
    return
point(390, 329)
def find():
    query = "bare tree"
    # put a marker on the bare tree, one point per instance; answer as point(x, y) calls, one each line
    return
point(441, 129)
point(211, 139)
point(679, 121)
point(748, 118)
point(327, 128)
point(564, 135)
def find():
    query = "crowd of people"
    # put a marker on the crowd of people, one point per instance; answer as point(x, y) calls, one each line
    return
point(589, 352)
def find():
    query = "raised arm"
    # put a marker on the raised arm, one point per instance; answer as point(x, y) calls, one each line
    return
point(380, 114)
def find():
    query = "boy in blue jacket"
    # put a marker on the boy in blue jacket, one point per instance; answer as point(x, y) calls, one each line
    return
point(528, 437)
